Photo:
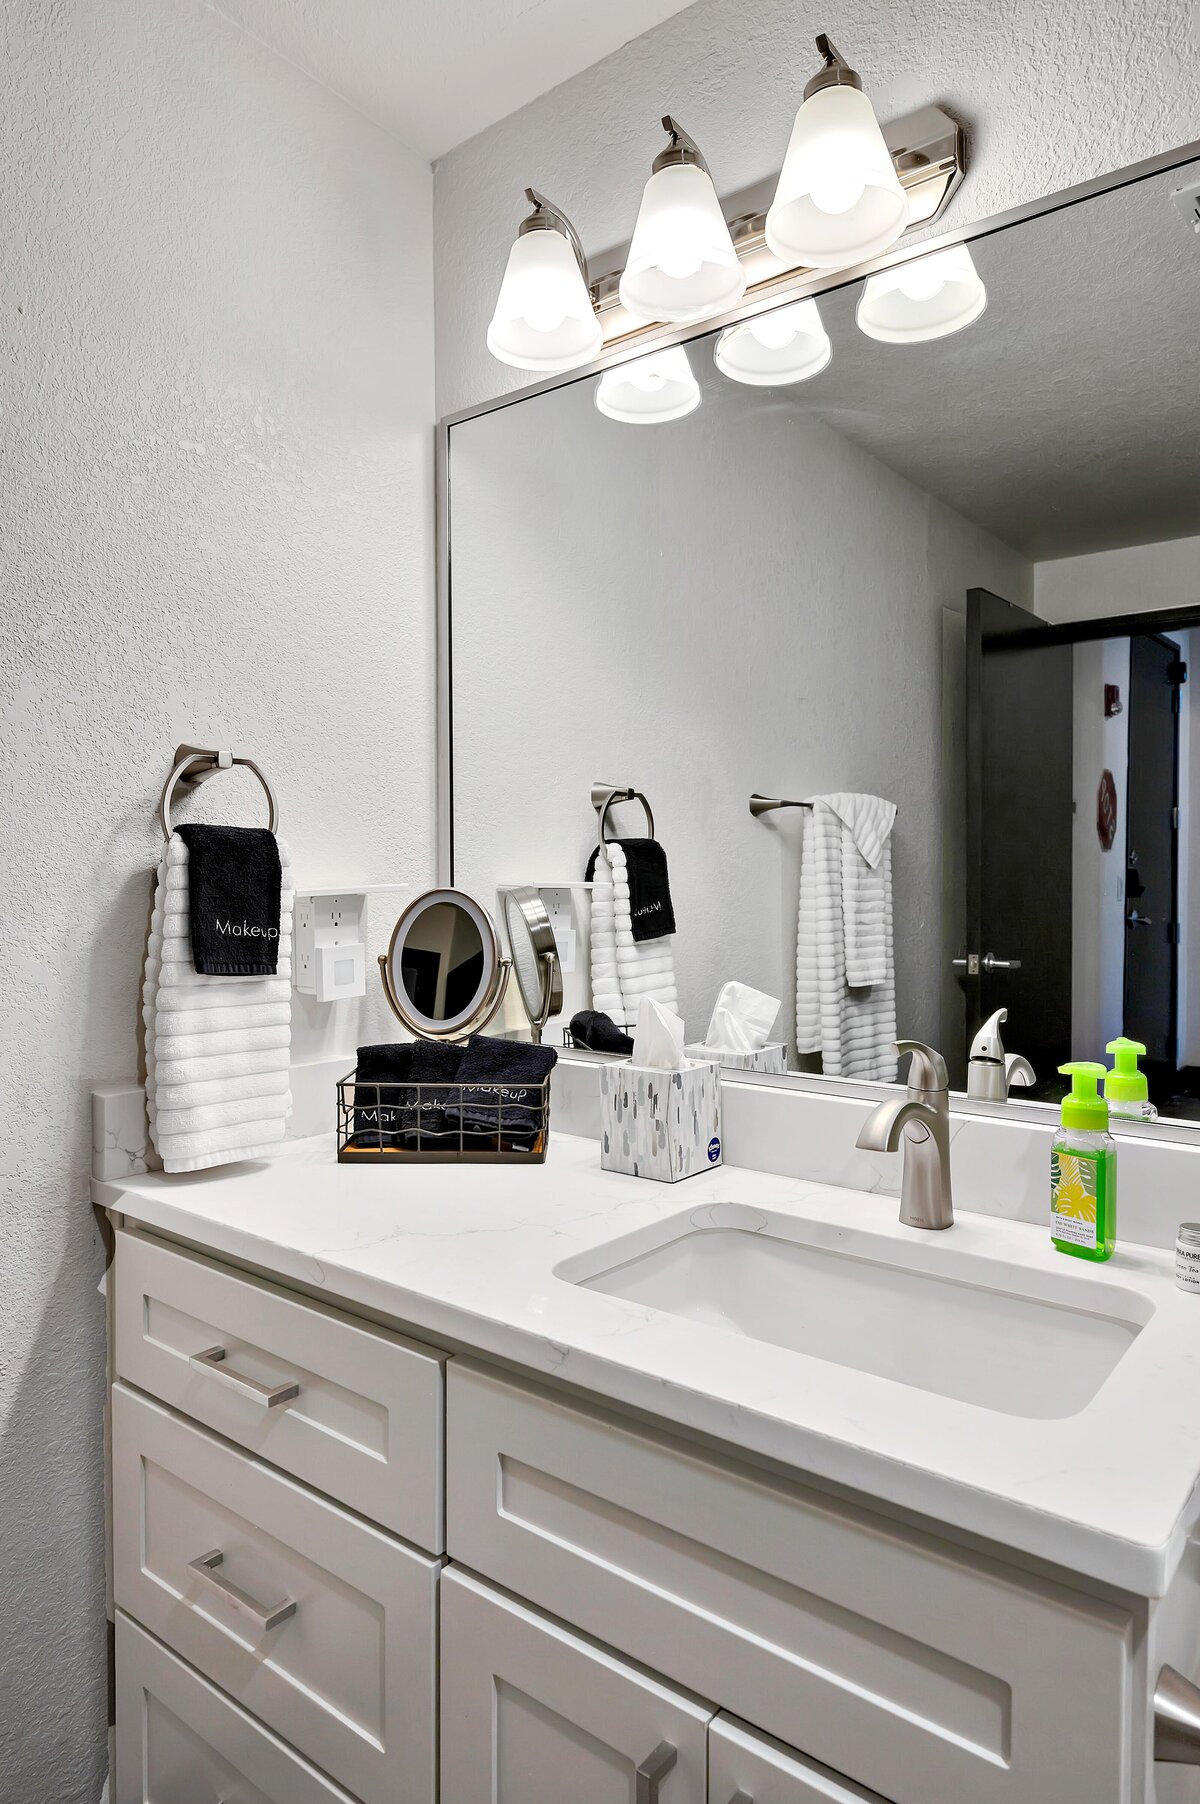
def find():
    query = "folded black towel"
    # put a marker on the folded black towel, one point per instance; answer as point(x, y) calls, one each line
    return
point(598, 1032)
point(382, 1112)
point(651, 914)
point(434, 1062)
point(234, 880)
point(512, 1104)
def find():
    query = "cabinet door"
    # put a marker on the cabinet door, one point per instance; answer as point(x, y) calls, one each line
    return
point(745, 1767)
point(181, 1741)
point(532, 1714)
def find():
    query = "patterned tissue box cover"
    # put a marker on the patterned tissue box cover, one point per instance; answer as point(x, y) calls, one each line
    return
point(660, 1124)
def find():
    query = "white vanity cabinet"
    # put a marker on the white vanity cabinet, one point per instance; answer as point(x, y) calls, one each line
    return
point(533, 1714)
point(277, 1532)
point(342, 1558)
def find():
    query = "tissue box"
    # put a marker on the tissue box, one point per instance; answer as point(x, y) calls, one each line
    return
point(771, 1058)
point(660, 1124)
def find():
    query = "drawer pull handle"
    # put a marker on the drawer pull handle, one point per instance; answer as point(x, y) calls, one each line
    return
point(653, 1770)
point(1176, 1719)
point(269, 1395)
point(268, 1616)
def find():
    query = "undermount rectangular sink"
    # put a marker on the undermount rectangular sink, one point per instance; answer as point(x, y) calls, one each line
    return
point(1019, 1342)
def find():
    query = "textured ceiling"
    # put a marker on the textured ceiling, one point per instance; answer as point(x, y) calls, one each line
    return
point(1067, 419)
point(436, 74)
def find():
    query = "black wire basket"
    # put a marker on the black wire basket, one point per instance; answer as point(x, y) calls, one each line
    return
point(482, 1124)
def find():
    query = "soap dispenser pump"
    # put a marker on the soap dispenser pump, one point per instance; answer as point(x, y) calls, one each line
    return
point(1125, 1085)
point(990, 1070)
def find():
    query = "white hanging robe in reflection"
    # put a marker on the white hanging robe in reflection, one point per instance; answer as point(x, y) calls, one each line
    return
point(845, 962)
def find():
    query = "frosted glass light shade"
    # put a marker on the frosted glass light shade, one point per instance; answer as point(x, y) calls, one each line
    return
point(787, 345)
point(839, 199)
point(651, 390)
point(929, 298)
point(682, 264)
point(544, 319)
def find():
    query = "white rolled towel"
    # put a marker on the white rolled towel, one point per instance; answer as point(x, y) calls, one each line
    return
point(221, 1114)
point(171, 1047)
point(204, 1094)
point(235, 1141)
point(196, 1068)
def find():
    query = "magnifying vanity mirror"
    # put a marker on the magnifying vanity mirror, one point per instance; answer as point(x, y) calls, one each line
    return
point(535, 960)
point(442, 973)
point(929, 536)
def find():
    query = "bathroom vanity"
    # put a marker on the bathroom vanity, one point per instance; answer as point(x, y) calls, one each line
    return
point(535, 1485)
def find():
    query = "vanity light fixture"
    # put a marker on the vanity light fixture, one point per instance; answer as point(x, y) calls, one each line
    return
point(927, 298)
point(682, 264)
point(651, 390)
point(789, 344)
point(544, 318)
point(839, 199)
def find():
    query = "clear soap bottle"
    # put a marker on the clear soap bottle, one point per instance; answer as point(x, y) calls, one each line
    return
point(1125, 1086)
point(1083, 1169)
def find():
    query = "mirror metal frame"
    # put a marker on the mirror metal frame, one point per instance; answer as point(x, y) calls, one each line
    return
point(527, 904)
point(492, 986)
point(788, 289)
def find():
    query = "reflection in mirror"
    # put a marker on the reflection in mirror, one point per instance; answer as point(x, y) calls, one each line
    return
point(441, 961)
point(930, 546)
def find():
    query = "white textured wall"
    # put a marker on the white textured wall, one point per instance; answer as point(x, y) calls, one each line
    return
point(743, 600)
point(1134, 580)
point(215, 523)
point(1052, 95)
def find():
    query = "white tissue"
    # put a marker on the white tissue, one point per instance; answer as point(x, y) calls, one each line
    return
point(741, 1020)
point(658, 1039)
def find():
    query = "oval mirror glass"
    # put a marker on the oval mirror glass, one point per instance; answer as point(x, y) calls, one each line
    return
point(442, 972)
point(534, 956)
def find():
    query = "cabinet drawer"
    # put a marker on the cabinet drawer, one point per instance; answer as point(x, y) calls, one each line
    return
point(181, 1740)
point(746, 1768)
point(321, 1625)
point(532, 1714)
point(919, 1671)
point(364, 1419)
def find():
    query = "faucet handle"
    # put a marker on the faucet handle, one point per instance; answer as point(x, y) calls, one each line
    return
point(928, 1069)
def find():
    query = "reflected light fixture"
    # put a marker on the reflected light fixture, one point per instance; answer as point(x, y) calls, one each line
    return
point(544, 318)
point(927, 298)
point(651, 390)
point(838, 200)
point(788, 344)
point(682, 264)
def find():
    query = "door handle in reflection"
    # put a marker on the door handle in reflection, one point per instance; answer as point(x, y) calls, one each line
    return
point(991, 963)
point(653, 1771)
point(1134, 919)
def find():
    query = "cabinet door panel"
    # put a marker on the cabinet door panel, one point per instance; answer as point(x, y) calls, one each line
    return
point(350, 1408)
point(181, 1741)
point(747, 1768)
point(316, 1622)
point(532, 1714)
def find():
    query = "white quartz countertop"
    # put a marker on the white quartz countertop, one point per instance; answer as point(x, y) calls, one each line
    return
point(467, 1255)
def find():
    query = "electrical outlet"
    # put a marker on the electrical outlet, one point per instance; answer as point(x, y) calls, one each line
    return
point(1188, 202)
point(329, 944)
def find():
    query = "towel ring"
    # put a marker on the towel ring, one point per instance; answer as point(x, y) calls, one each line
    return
point(193, 765)
point(624, 795)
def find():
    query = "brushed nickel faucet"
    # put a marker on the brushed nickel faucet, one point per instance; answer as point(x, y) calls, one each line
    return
point(922, 1120)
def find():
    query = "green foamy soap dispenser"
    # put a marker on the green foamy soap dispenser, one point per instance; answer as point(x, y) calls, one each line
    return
point(1083, 1169)
point(1125, 1086)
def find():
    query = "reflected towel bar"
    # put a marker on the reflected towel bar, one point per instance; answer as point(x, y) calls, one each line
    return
point(767, 804)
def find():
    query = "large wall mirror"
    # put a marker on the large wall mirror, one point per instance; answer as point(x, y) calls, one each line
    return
point(896, 542)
